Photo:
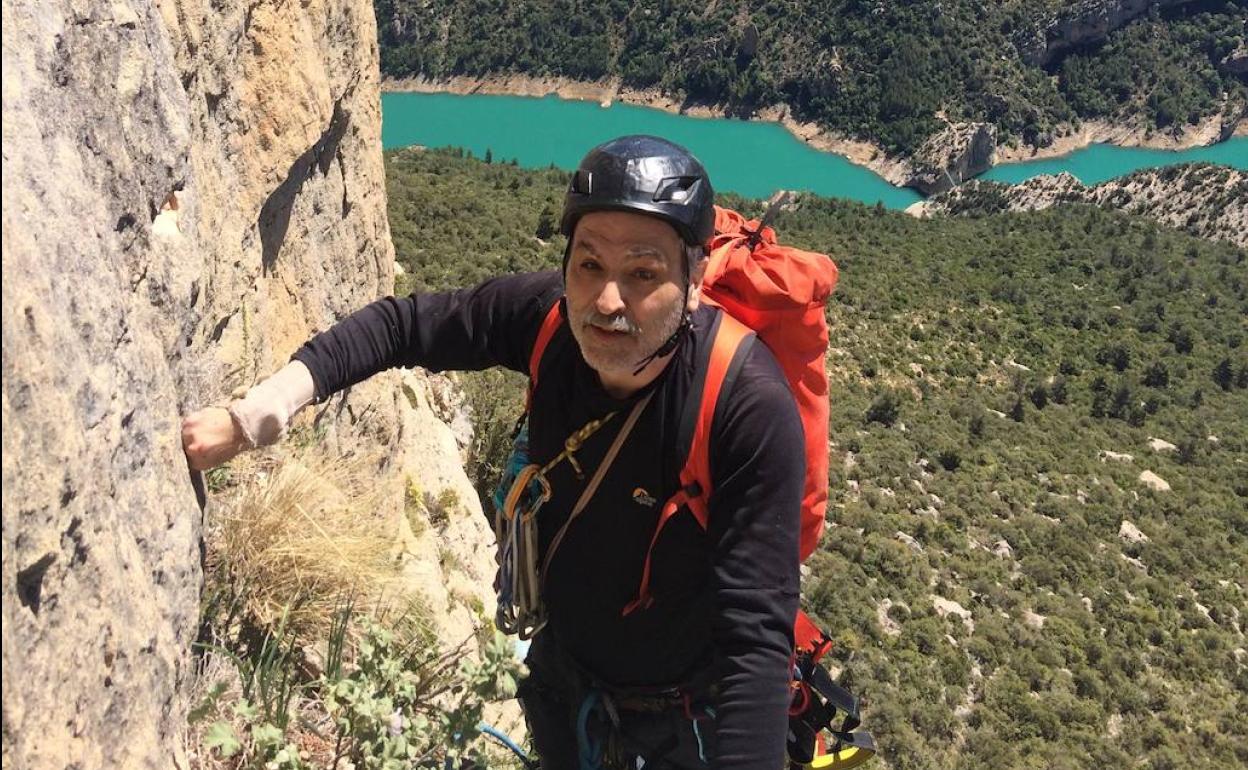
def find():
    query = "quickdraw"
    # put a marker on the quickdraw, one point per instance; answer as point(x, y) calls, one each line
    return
point(520, 609)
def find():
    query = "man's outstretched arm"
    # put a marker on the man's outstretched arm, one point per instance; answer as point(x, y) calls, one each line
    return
point(492, 324)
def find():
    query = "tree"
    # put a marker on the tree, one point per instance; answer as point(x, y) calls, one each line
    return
point(1017, 412)
point(1190, 449)
point(1114, 355)
point(1181, 338)
point(950, 459)
point(1100, 404)
point(1157, 376)
point(1122, 402)
point(1057, 392)
point(884, 409)
point(546, 223)
point(1223, 375)
point(1039, 397)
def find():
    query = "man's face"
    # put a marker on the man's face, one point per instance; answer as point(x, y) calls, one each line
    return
point(625, 288)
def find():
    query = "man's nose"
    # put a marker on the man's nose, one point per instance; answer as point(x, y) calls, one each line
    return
point(609, 301)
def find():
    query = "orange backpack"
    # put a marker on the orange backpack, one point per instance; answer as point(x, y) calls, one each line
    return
point(777, 293)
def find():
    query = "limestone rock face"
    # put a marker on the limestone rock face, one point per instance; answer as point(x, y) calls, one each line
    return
point(953, 156)
point(1081, 23)
point(451, 564)
point(189, 190)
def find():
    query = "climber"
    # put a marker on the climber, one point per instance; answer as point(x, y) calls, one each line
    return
point(694, 669)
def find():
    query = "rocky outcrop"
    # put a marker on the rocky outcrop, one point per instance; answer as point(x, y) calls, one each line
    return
point(1233, 122)
point(1161, 445)
point(1206, 200)
point(1154, 482)
point(189, 189)
point(959, 152)
point(1079, 24)
point(1235, 62)
point(946, 607)
point(1131, 533)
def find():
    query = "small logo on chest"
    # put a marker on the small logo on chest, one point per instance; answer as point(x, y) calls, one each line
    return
point(642, 497)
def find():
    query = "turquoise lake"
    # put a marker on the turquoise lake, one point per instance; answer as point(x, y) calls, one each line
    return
point(750, 158)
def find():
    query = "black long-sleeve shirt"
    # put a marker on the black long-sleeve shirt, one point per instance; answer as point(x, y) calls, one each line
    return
point(725, 597)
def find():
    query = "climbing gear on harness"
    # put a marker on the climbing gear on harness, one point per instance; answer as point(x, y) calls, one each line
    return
point(609, 732)
point(573, 714)
point(520, 608)
point(814, 706)
point(647, 175)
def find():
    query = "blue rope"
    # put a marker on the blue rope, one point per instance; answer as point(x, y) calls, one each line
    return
point(590, 750)
point(508, 742)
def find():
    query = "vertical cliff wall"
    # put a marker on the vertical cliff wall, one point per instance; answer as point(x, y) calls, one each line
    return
point(189, 189)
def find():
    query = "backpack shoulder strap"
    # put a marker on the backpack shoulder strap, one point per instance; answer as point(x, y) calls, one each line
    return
point(721, 362)
point(550, 325)
point(717, 368)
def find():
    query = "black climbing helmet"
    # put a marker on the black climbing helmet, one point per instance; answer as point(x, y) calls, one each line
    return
point(648, 175)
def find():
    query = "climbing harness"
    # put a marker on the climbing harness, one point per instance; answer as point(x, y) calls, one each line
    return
point(607, 737)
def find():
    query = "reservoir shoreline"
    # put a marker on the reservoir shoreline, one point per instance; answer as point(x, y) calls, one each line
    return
point(893, 169)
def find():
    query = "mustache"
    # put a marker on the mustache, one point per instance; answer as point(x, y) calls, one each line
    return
point(612, 323)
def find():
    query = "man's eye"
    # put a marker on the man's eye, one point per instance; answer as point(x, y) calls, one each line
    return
point(589, 265)
point(644, 275)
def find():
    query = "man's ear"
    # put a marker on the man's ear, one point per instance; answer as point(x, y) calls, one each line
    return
point(695, 282)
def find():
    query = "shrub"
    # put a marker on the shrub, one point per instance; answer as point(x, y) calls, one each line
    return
point(884, 409)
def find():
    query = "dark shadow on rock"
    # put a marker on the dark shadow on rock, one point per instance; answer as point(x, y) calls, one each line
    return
point(275, 214)
point(30, 583)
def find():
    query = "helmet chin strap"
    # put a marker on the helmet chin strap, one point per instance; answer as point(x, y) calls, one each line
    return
point(674, 340)
point(667, 347)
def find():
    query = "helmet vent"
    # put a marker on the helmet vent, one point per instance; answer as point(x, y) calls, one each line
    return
point(583, 182)
point(677, 189)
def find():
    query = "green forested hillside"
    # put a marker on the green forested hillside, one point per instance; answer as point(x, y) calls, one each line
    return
point(876, 70)
point(996, 384)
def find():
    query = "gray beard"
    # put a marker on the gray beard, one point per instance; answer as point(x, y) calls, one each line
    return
point(650, 340)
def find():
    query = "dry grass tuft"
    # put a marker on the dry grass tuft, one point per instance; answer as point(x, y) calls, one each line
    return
point(303, 533)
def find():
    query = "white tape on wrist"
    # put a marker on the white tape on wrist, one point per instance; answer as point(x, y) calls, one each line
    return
point(265, 412)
